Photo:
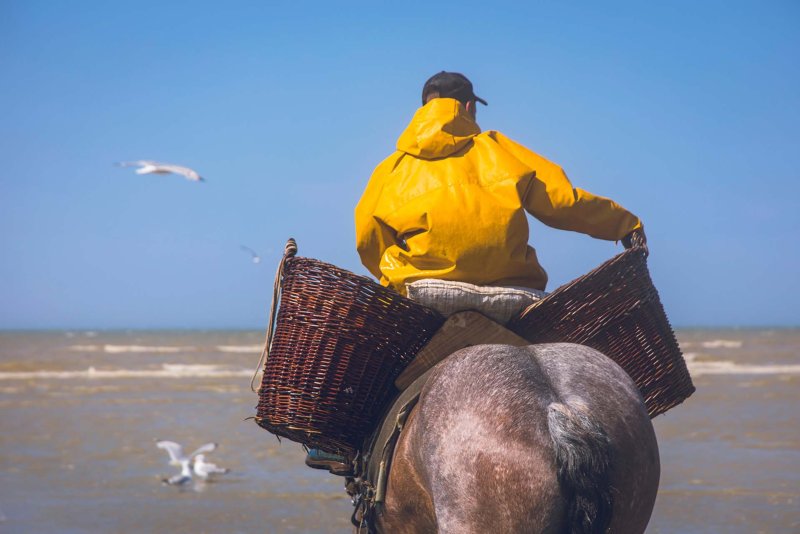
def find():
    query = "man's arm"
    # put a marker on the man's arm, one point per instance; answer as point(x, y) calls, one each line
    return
point(373, 236)
point(551, 198)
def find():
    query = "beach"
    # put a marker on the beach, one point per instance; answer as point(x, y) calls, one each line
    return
point(81, 411)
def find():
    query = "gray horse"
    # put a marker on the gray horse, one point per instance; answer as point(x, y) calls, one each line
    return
point(545, 438)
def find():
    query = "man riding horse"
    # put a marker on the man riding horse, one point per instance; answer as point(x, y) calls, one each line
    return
point(450, 204)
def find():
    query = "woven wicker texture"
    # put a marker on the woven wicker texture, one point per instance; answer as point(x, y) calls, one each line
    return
point(340, 341)
point(616, 310)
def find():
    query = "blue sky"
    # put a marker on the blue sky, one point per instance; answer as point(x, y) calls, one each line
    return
point(686, 113)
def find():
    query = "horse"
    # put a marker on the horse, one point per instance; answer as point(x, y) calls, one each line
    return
point(545, 438)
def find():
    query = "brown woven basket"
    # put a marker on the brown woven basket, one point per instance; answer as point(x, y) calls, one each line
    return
point(339, 342)
point(616, 310)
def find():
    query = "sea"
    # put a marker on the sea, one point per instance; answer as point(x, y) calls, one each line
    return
point(81, 411)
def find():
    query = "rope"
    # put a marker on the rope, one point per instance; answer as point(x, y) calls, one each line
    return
point(289, 251)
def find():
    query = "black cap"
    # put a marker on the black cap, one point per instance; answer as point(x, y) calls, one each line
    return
point(451, 85)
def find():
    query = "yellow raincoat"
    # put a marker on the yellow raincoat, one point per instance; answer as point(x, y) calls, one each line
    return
point(451, 203)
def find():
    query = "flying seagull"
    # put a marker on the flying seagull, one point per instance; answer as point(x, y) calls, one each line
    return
point(154, 167)
point(255, 257)
point(177, 458)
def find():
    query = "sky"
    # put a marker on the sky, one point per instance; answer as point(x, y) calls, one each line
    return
point(687, 113)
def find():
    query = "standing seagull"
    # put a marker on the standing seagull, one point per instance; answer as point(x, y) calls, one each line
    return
point(205, 469)
point(176, 457)
point(181, 478)
point(154, 167)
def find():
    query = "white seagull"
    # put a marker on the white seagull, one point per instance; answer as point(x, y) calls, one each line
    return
point(181, 478)
point(177, 458)
point(154, 167)
point(205, 469)
point(255, 257)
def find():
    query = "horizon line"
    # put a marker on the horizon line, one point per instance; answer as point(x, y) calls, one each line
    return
point(264, 328)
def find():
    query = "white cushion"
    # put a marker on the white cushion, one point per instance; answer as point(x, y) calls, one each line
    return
point(498, 303)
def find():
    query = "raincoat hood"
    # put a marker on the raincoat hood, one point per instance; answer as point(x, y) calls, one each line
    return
point(439, 129)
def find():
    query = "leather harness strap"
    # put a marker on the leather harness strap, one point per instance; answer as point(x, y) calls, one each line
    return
point(368, 487)
point(383, 442)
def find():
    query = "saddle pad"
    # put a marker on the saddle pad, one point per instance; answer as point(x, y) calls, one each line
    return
point(498, 303)
point(463, 329)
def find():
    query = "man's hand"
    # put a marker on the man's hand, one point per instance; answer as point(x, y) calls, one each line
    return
point(635, 239)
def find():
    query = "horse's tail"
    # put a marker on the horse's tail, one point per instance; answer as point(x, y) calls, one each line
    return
point(583, 457)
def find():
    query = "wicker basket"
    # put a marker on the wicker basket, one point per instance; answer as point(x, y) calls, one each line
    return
point(339, 342)
point(616, 310)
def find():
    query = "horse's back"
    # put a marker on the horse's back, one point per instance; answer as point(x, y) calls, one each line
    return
point(478, 452)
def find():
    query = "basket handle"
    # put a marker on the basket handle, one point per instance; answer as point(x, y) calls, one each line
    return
point(636, 239)
point(288, 252)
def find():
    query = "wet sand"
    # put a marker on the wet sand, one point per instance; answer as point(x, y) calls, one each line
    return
point(77, 451)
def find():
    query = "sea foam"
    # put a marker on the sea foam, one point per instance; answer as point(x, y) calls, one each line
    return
point(713, 344)
point(240, 348)
point(725, 367)
point(731, 368)
point(167, 370)
point(117, 349)
point(721, 344)
point(84, 348)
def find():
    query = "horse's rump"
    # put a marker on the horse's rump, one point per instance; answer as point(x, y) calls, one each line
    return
point(511, 439)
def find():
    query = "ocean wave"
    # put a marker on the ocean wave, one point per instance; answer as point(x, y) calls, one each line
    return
point(73, 335)
point(84, 348)
point(118, 349)
point(689, 357)
point(713, 344)
point(240, 348)
point(167, 370)
point(732, 368)
point(721, 344)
